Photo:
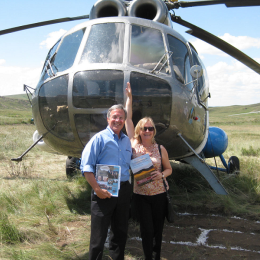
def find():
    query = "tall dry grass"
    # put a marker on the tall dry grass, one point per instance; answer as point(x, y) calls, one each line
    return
point(46, 216)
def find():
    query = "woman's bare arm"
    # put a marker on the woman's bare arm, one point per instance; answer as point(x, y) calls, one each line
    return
point(167, 169)
point(129, 126)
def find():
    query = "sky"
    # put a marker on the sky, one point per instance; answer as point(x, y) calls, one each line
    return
point(22, 54)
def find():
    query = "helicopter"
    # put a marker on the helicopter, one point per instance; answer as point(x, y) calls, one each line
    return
point(87, 69)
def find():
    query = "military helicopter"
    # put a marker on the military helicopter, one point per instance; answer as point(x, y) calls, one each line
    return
point(86, 72)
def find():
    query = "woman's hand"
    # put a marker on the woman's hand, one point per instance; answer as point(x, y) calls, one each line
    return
point(156, 175)
point(128, 90)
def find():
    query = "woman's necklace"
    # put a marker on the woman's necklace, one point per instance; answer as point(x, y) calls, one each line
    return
point(148, 148)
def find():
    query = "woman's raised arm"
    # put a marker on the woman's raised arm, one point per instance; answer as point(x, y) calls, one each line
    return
point(129, 126)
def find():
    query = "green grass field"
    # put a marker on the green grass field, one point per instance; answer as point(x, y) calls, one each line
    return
point(43, 215)
point(14, 111)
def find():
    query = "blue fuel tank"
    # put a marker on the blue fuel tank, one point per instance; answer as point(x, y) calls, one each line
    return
point(217, 142)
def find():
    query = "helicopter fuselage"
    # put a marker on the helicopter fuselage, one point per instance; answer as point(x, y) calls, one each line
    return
point(86, 72)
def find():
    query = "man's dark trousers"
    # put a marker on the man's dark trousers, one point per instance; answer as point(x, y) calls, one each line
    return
point(113, 212)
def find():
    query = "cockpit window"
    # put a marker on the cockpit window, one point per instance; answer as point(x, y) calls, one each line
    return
point(181, 61)
point(67, 52)
point(65, 56)
point(51, 53)
point(98, 88)
point(105, 44)
point(53, 105)
point(147, 48)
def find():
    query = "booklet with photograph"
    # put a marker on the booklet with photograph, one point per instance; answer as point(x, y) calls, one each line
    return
point(142, 167)
point(108, 178)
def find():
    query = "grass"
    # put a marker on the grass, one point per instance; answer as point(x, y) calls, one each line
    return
point(250, 151)
point(46, 216)
point(14, 111)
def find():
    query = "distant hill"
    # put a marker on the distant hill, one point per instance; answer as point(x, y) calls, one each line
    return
point(18, 96)
point(14, 104)
point(232, 110)
point(235, 115)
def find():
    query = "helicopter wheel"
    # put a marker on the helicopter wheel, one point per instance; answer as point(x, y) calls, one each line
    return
point(72, 165)
point(233, 165)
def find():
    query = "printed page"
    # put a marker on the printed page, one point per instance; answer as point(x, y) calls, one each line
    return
point(108, 178)
point(142, 167)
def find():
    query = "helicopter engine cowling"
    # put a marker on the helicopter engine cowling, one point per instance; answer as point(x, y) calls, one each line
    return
point(150, 9)
point(216, 144)
point(107, 8)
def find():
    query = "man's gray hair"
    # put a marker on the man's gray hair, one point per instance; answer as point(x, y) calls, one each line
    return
point(119, 106)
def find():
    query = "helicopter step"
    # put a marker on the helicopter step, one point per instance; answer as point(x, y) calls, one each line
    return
point(203, 168)
point(198, 163)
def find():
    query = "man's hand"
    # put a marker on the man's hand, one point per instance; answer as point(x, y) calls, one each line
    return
point(103, 194)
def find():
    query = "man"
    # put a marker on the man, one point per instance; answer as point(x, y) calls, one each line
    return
point(111, 147)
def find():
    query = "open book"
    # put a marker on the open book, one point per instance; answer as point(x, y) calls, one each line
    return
point(108, 178)
point(142, 167)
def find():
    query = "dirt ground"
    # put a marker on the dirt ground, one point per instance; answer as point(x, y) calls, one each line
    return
point(215, 237)
point(192, 236)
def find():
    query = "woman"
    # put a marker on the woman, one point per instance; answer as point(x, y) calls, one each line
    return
point(151, 197)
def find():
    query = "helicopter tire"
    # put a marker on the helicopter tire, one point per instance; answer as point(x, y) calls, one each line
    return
point(72, 165)
point(233, 165)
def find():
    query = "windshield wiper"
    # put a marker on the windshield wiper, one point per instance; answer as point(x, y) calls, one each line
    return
point(170, 54)
point(48, 64)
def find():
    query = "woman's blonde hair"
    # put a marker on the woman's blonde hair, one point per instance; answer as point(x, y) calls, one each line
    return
point(140, 125)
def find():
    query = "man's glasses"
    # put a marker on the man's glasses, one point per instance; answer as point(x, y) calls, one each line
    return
point(149, 128)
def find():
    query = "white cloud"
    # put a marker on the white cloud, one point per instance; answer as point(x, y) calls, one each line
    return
point(240, 42)
point(205, 48)
point(13, 78)
point(53, 37)
point(233, 84)
point(2, 61)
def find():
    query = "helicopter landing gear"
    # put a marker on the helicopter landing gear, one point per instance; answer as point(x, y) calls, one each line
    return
point(72, 165)
point(233, 165)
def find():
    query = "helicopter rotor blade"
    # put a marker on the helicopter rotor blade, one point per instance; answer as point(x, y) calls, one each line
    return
point(33, 25)
point(218, 43)
point(228, 3)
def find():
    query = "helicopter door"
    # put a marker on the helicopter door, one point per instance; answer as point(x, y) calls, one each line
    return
point(180, 62)
point(203, 85)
